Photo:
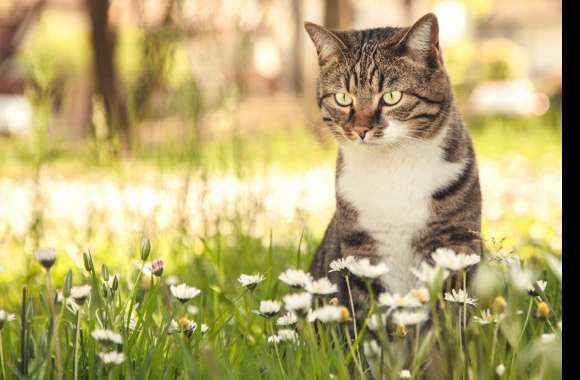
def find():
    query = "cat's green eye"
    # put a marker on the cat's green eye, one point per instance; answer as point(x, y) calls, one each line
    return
point(343, 99)
point(392, 98)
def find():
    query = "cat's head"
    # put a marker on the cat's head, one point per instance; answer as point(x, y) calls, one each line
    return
point(382, 86)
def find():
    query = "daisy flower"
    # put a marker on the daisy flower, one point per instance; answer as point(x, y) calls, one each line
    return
point(80, 293)
point(521, 278)
point(447, 258)
point(396, 300)
point(298, 301)
point(364, 269)
point(187, 326)
point(421, 294)
point(409, 318)
point(284, 335)
point(250, 281)
point(329, 313)
point(107, 336)
point(405, 374)
point(5, 317)
point(203, 328)
point(486, 318)
point(295, 278)
point(183, 292)
point(46, 257)
point(341, 265)
point(500, 370)
point(460, 296)
point(542, 285)
point(322, 286)
point(428, 274)
point(112, 357)
point(269, 308)
point(156, 267)
point(288, 319)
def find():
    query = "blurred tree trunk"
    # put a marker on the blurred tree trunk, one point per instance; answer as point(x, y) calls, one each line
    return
point(408, 11)
point(338, 14)
point(103, 40)
point(297, 47)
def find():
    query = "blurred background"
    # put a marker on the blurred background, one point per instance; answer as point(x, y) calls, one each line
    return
point(191, 121)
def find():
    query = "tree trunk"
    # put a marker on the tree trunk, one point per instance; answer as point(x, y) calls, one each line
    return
point(103, 39)
point(338, 14)
point(297, 47)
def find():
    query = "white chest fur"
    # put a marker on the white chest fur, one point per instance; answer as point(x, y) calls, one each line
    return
point(391, 190)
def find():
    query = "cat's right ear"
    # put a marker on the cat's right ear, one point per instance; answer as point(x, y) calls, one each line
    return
point(328, 46)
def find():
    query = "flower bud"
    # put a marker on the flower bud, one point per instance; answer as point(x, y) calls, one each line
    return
point(88, 261)
point(145, 249)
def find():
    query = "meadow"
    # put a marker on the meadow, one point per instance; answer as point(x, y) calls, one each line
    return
point(204, 213)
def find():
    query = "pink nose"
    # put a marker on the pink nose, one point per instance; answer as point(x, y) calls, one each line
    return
point(361, 131)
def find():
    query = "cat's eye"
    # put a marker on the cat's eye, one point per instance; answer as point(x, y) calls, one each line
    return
point(343, 99)
point(392, 98)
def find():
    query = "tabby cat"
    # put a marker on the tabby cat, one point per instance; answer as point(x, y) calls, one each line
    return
point(406, 175)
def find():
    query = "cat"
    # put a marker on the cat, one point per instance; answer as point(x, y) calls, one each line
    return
point(407, 178)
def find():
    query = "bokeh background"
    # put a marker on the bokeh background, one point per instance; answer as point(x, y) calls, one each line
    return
point(194, 123)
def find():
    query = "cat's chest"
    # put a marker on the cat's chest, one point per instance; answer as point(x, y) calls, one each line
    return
point(392, 194)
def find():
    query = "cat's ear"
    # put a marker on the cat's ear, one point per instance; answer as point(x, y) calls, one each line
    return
point(422, 39)
point(328, 46)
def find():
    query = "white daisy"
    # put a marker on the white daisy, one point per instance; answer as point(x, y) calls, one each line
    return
point(500, 370)
point(269, 308)
point(421, 294)
point(322, 286)
point(405, 374)
point(298, 301)
point(364, 269)
point(396, 300)
point(5, 317)
point(80, 293)
point(250, 281)
point(183, 292)
point(288, 319)
point(460, 296)
point(341, 265)
point(521, 278)
point(329, 313)
point(408, 318)
point(541, 284)
point(486, 318)
point(284, 335)
point(203, 328)
point(447, 258)
point(428, 274)
point(287, 335)
point(46, 257)
point(112, 357)
point(296, 278)
point(107, 336)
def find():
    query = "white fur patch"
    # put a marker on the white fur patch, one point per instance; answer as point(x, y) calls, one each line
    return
point(391, 188)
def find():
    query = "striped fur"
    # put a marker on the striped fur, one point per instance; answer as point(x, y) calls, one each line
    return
point(410, 185)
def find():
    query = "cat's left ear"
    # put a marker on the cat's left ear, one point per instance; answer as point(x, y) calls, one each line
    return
point(422, 39)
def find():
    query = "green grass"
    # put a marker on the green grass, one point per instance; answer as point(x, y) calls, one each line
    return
point(235, 345)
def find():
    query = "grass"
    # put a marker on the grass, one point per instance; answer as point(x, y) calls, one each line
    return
point(236, 344)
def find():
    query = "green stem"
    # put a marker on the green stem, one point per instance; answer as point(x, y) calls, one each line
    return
point(54, 321)
point(76, 345)
point(271, 324)
point(494, 343)
point(356, 357)
point(2, 357)
point(351, 306)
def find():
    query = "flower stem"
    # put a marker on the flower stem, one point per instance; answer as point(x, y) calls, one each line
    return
point(76, 346)
point(2, 357)
point(351, 306)
point(54, 320)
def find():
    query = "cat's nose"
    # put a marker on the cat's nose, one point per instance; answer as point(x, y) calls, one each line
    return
point(361, 131)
